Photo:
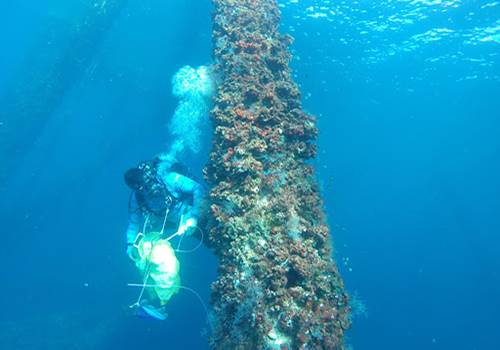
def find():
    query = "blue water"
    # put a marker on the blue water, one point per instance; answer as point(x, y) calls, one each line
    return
point(407, 95)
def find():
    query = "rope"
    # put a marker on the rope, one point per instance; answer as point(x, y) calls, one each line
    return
point(145, 223)
point(164, 220)
point(145, 279)
point(195, 248)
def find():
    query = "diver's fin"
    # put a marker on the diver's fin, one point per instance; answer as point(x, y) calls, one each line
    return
point(150, 312)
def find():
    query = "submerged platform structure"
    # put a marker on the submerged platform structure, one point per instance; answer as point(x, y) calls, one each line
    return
point(58, 62)
point(278, 285)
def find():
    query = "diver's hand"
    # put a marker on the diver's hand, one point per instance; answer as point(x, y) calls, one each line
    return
point(188, 227)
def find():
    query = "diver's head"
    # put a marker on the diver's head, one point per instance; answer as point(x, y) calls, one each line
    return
point(134, 178)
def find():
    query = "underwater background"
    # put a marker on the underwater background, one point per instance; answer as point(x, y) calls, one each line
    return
point(407, 95)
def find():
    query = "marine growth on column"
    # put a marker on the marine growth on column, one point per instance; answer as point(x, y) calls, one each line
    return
point(278, 285)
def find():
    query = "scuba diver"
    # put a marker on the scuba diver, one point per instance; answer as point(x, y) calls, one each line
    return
point(164, 204)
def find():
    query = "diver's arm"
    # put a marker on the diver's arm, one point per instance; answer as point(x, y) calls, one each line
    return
point(184, 187)
point(194, 189)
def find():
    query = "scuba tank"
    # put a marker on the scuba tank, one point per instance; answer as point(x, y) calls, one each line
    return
point(152, 195)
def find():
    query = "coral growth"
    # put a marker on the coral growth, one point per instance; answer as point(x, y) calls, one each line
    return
point(278, 286)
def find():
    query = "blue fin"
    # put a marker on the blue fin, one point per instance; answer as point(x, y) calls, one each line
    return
point(150, 312)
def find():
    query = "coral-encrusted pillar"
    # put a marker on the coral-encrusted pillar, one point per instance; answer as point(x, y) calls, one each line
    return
point(278, 286)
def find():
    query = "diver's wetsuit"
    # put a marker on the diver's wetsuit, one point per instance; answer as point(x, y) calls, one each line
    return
point(186, 198)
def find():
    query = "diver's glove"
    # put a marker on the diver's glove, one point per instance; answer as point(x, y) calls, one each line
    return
point(188, 227)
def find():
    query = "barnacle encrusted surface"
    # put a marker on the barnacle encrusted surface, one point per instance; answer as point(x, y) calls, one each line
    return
point(278, 286)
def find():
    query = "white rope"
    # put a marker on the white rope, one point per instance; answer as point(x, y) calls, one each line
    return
point(164, 220)
point(171, 236)
point(195, 248)
point(145, 224)
point(139, 299)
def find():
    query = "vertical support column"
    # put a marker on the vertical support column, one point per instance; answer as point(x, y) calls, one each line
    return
point(278, 286)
